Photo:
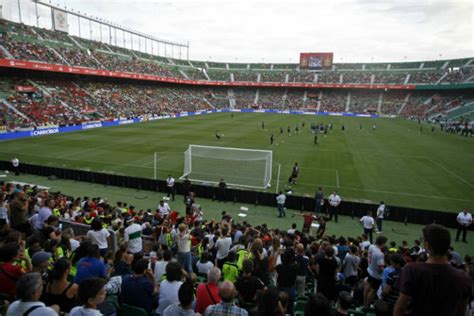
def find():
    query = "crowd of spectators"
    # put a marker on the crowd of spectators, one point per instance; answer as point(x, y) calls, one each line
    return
point(357, 77)
point(273, 76)
point(364, 101)
point(301, 76)
point(246, 75)
point(329, 77)
point(271, 99)
point(218, 75)
point(333, 101)
point(244, 98)
point(174, 263)
point(425, 77)
point(25, 50)
point(392, 102)
point(294, 99)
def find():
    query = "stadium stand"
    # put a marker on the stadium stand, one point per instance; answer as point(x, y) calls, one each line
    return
point(83, 251)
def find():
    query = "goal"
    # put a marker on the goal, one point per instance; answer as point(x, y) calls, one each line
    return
point(236, 166)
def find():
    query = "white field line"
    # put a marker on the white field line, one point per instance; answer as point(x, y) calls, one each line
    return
point(452, 173)
point(306, 184)
point(151, 162)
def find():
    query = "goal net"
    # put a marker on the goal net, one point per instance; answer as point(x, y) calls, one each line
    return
point(237, 166)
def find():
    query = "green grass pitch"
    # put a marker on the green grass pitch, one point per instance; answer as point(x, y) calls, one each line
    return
point(396, 162)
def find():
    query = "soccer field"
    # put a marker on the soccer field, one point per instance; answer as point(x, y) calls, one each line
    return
point(395, 163)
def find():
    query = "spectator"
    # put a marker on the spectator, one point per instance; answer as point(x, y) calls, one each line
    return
point(183, 240)
point(375, 270)
point(350, 266)
point(164, 209)
point(270, 304)
point(40, 262)
point(122, 261)
point(230, 269)
point(169, 287)
point(318, 305)
point(226, 306)
point(327, 271)
point(139, 289)
point(98, 236)
point(29, 289)
point(18, 213)
point(208, 293)
point(223, 245)
point(248, 287)
point(204, 265)
point(287, 273)
point(303, 269)
point(58, 290)
point(91, 293)
point(433, 287)
point(160, 265)
point(185, 306)
point(344, 303)
point(90, 266)
point(9, 271)
point(391, 291)
point(133, 236)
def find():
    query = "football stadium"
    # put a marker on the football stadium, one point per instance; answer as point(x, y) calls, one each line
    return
point(140, 177)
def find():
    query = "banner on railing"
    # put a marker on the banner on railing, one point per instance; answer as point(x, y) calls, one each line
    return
point(91, 125)
point(20, 64)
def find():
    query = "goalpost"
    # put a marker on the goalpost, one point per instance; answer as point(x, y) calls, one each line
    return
point(241, 167)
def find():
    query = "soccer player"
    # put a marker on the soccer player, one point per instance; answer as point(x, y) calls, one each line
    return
point(271, 139)
point(302, 124)
point(263, 125)
point(374, 127)
point(343, 128)
point(297, 129)
point(360, 127)
point(294, 174)
point(218, 136)
point(289, 130)
point(281, 130)
point(315, 142)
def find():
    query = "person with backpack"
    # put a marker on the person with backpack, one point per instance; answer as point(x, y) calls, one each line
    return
point(28, 291)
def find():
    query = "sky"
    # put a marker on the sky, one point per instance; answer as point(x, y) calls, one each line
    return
point(277, 31)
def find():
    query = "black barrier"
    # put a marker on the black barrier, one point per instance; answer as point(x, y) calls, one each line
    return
point(354, 209)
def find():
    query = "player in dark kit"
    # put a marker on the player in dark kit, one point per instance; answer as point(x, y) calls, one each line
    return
point(294, 174)
point(297, 129)
point(343, 127)
point(315, 141)
point(302, 124)
point(281, 130)
point(271, 139)
point(288, 130)
point(218, 136)
point(263, 125)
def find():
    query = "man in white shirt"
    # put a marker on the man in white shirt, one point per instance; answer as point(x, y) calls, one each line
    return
point(170, 187)
point(464, 220)
point(133, 236)
point(28, 291)
point(334, 201)
point(368, 223)
point(183, 241)
point(281, 198)
point(16, 166)
point(380, 215)
point(223, 245)
point(164, 209)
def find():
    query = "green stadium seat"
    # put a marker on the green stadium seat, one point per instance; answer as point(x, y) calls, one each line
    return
point(128, 310)
point(113, 299)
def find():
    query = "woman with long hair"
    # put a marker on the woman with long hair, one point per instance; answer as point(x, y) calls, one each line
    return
point(58, 289)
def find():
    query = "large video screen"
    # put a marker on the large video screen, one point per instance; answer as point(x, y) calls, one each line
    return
point(315, 61)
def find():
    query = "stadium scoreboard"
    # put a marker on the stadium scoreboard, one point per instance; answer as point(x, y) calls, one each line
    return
point(316, 61)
